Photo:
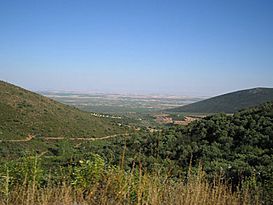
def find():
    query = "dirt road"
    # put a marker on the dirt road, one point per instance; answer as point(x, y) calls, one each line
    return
point(28, 138)
point(31, 137)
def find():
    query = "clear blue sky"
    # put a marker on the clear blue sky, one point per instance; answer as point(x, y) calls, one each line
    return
point(192, 47)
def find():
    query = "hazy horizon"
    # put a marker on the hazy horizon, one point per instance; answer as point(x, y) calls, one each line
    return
point(186, 48)
point(142, 93)
point(132, 93)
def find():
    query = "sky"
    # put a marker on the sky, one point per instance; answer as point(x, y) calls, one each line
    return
point(183, 47)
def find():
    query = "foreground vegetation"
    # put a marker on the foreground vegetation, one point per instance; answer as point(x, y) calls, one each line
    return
point(92, 181)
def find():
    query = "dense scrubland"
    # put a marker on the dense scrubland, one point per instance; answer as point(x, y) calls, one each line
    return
point(221, 159)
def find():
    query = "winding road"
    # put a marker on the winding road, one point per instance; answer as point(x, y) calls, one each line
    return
point(31, 137)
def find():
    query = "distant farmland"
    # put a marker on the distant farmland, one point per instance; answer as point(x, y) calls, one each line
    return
point(120, 104)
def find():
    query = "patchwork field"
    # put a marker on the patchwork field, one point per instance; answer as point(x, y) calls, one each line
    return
point(120, 103)
point(140, 109)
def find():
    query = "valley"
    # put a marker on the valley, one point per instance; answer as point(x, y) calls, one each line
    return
point(138, 110)
point(65, 137)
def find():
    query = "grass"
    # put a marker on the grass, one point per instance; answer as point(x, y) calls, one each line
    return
point(23, 112)
point(93, 182)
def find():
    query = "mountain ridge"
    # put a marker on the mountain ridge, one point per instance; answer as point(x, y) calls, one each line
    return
point(229, 102)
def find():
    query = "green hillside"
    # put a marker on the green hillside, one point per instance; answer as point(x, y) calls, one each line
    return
point(230, 102)
point(23, 112)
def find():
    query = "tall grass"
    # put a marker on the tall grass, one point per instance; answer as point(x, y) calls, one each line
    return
point(91, 183)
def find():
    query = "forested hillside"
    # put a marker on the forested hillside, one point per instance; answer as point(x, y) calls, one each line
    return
point(239, 146)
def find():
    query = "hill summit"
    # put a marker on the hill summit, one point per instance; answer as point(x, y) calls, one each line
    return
point(230, 102)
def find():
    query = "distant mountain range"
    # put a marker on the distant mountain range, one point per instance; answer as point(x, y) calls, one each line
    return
point(230, 102)
point(24, 113)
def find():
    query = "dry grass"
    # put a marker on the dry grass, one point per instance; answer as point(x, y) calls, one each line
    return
point(120, 187)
